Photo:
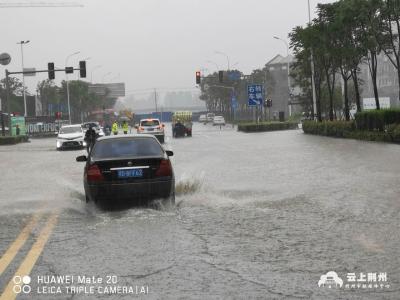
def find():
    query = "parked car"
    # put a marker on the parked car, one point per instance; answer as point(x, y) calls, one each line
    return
point(133, 167)
point(210, 117)
point(152, 126)
point(203, 119)
point(70, 137)
point(219, 120)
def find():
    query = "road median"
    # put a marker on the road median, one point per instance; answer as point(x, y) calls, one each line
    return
point(266, 126)
point(12, 140)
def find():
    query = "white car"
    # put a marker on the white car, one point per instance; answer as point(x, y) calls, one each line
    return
point(99, 130)
point(203, 118)
point(210, 117)
point(71, 136)
point(219, 120)
point(152, 126)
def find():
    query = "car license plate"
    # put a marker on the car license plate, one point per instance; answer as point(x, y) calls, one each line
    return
point(130, 173)
point(150, 129)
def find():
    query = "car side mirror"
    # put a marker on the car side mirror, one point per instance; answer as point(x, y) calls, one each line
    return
point(169, 152)
point(81, 158)
point(163, 125)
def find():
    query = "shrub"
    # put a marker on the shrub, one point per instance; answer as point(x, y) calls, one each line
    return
point(12, 140)
point(377, 119)
point(349, 130)
point(329, 128)
point(271, 126)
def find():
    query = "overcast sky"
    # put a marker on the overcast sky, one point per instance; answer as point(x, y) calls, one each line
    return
point(150, 43)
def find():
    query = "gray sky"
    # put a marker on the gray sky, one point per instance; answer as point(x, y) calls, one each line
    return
point(151, 43)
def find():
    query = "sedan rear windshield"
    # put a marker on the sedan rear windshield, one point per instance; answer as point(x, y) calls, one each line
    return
point(117, 148)
point(150, 123)
point(66, 130)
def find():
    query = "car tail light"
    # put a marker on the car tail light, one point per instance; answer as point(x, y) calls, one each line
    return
point(94, 174)
point(165, 169)
point(141, 128)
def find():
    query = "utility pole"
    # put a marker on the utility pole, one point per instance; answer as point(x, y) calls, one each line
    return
point(22, 43)
point(155, 99)
point(312, 70)
point(67, 82)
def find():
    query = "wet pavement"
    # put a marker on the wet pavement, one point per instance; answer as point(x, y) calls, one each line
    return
point(266, 215)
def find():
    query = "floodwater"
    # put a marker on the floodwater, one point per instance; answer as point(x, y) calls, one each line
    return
point(257, 216)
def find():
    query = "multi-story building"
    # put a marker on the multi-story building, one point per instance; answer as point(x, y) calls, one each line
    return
point(388, 86)
point(283, 97)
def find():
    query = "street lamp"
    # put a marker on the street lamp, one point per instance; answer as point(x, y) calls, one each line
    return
point(66, 76)
point(288, 69)
point(227, 58)
point(312, 69)
point(23, 75)
point(105, 75)
point(91, 73)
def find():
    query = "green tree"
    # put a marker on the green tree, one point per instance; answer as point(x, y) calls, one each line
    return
point(15, 94)
point(49, 94)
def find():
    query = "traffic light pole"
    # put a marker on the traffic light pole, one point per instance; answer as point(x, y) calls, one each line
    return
point(8, 99)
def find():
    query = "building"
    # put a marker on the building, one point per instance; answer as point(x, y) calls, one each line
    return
point(387, 81)
point(283, 100)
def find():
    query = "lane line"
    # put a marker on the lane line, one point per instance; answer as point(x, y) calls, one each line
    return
point(30, 260)
point(18, 243)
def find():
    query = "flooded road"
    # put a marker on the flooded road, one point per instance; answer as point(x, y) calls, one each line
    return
point(258, 216)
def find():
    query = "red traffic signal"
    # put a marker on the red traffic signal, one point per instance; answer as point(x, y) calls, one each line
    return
point(58, 115)
point(198, 77)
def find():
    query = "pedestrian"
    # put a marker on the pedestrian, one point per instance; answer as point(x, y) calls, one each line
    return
point(90, 138)
point(17, 130)
point(107, 129)
point(115, 128)
point(125, 127)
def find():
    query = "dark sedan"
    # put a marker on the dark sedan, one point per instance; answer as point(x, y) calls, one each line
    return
point(128, 168)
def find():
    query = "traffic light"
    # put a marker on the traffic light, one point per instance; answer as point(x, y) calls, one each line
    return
point(221, 76)
point(58, 115)
point(82, 67)
point(269, 103)
point(198, 77)
point(50, 68)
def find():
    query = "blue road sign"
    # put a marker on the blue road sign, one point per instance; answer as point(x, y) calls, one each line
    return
point(234, 75)
point(255, 94)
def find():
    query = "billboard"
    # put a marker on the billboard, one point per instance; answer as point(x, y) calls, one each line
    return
point(112, 90)
point(18, 123)
point(369, 103)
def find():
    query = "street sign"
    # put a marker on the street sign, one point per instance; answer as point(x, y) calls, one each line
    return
point(234, 75)
point(255, 94)
point(5, 59)
point(29, 72)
